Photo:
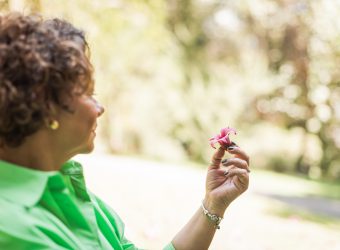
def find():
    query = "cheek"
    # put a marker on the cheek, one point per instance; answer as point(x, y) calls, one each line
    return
point(89, 118)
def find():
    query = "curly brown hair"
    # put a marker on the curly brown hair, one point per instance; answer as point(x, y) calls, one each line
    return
point(41, 61)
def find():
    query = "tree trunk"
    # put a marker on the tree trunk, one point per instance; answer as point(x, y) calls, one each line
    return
point(301, 166)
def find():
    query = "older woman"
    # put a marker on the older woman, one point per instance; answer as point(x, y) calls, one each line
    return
point(47, 116)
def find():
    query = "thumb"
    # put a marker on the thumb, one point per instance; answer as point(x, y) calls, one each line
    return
point(216, 159)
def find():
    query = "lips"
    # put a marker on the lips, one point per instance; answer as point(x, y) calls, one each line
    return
point(94, 129)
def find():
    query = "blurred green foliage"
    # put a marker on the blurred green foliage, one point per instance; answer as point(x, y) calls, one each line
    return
point(172, 73)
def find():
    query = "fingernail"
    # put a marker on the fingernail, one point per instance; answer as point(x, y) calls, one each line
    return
point(231, 147)
point(226, 172)
point(224, 161)
point(248, 170)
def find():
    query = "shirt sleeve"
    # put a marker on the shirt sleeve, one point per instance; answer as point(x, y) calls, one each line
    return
point(169, 247)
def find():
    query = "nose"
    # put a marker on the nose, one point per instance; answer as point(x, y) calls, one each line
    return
point(100, 109)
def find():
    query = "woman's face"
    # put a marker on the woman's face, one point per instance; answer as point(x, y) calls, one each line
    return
point(76, 130)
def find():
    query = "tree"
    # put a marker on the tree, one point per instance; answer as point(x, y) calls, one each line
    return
point(304, 54)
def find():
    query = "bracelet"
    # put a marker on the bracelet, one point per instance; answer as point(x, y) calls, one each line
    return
point(212, 217)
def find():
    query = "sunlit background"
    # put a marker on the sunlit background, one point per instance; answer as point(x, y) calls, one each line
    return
point(172, 73)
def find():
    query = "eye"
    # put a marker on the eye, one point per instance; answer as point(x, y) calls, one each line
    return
point(93, 97)
point(91, 94)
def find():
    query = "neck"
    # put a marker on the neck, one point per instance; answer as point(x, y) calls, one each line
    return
point(35, 153)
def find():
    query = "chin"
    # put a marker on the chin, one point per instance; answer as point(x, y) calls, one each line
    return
point(88, 149)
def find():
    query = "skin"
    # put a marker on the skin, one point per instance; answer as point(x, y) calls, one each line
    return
point(48, 149)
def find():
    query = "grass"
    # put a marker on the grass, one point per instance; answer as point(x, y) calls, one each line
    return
point(293, 213)
point(294, 186)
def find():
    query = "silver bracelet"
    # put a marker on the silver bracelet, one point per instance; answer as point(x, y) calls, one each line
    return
point(212, 217)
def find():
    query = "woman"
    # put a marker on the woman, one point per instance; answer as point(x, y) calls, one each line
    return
point(47, 116)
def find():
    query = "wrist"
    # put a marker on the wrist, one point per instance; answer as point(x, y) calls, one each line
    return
point(214, 207)
point(213, 218)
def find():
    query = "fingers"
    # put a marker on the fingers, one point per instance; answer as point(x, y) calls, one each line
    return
point(242, 175)
point(217, 158)
point(236, 171)
point(239, 153)
point(237, 162)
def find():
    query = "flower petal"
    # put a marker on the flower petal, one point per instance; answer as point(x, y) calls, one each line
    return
point(222, 138)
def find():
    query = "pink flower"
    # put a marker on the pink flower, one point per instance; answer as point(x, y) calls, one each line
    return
point(222, 138)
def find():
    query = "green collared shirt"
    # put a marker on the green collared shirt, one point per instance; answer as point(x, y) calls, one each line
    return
point(54, 210)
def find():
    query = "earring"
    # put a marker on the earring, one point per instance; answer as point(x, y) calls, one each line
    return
point(54, 125)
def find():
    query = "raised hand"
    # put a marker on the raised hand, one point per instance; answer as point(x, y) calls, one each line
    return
point(226, 179)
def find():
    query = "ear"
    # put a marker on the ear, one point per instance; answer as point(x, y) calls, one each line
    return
point(51, 115)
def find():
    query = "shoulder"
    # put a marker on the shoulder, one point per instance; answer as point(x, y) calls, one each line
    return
point(23, 228)
point(11, 211)
point(19, 231)
point(15, 219)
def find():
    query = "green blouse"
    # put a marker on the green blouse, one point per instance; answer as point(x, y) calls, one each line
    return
point(54, 210)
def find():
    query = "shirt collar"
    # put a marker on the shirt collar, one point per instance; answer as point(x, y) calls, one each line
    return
point(72, 168)
point(25, 186)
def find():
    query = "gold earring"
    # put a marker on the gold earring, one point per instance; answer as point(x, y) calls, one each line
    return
point(54, 125)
